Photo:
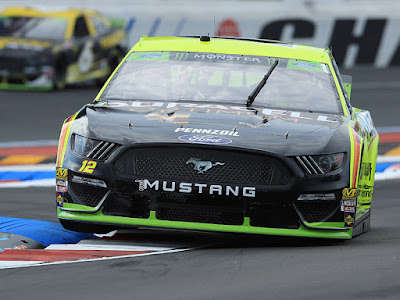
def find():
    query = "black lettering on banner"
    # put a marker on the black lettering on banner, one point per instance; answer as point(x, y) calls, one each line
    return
point(368, 42)
point(302, 29)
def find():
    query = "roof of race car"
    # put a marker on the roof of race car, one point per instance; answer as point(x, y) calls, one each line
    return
point(229, 45)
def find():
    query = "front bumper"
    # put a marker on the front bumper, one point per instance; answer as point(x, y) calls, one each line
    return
point(273, 210)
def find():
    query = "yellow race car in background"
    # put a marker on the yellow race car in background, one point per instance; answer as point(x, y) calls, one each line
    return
point(46, 50)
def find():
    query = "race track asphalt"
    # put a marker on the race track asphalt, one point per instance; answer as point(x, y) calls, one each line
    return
point(227, 266)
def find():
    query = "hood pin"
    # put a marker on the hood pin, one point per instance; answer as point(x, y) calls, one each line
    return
point(287, 134)
point(130, 125)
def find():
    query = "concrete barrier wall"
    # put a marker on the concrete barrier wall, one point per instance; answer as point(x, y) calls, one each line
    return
point(360, 32)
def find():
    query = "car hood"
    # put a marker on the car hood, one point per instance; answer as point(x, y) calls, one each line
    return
point(257, 128)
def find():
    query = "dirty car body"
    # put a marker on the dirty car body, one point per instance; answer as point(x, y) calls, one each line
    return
point(177, 138)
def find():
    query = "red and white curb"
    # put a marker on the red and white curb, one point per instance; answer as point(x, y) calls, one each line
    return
point(85, 251)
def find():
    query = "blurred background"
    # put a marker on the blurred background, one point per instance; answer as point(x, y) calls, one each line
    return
point(360, 32)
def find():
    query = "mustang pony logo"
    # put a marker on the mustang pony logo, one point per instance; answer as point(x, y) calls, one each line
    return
point(203, 166)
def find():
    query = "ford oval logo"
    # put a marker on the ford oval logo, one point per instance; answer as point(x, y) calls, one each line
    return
point(151, 55)
point(204, 139)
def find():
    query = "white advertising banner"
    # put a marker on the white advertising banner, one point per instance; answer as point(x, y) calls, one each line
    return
point(359, 32)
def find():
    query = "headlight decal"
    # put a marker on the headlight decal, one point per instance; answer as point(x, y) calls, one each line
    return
point(62, 144)
point(83, 145)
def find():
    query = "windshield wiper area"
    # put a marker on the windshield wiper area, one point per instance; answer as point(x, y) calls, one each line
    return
point(263, 81)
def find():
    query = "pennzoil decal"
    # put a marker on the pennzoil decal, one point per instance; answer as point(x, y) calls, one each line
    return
point(62, 173)
point(208, 131)
point(349, 194)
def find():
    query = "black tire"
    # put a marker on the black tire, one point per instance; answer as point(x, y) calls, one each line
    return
point(59, 76)
point(113, 60)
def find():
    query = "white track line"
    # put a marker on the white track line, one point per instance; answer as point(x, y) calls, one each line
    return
point(27, 168)
point(37, 143)
point(7, 265)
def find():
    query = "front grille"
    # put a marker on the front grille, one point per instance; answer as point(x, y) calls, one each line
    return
point(215, 166)
point(277, 215)
point(131, 206)
point(189, 208)
point(317, 211)
point(88, 195)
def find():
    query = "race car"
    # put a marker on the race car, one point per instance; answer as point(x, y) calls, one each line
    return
point(220, 134)
point(46, 50)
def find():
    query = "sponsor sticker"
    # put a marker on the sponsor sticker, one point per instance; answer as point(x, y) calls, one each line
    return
point(61, 188)
point(349, 202)
point(208, 131)
point(205, 139)
point(348, 219)
point(349, 209)
point(60, 199)
point(61, 182)
point(62, 173)
point(349, 194)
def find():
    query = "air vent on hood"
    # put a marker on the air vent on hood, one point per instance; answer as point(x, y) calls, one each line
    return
point(309, 165)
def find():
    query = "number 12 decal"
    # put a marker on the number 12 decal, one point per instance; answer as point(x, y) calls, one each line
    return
point(88, 166)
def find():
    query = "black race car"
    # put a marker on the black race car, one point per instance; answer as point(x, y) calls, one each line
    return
point(220, 134)
point(45, 50)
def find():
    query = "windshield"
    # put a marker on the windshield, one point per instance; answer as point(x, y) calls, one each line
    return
point(185, 76)
point(33, 28)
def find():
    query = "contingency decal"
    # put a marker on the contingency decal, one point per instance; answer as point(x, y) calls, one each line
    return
point(60, 199)
point(88, 166)
point(61, 174)
point(349, 220)
point(348, 205)
point(204, 139)
point(349, 202)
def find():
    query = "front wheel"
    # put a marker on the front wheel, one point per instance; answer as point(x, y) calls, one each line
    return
point(59, 76)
